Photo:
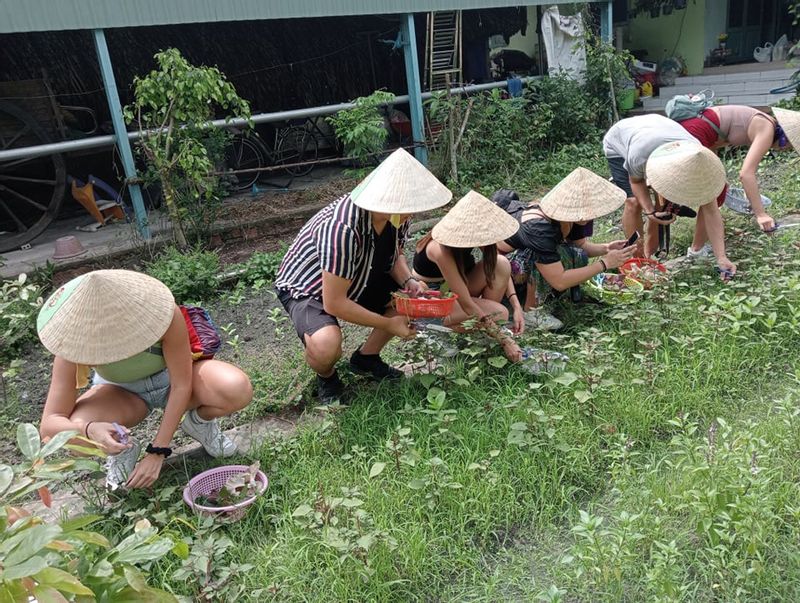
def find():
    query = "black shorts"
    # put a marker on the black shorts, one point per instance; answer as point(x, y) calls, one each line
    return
point(308, 314)
point(619, 175)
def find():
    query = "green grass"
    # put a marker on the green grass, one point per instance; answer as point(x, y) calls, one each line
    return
point(663, 466)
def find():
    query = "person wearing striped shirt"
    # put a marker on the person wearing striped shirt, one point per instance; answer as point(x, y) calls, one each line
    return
point(345, 263)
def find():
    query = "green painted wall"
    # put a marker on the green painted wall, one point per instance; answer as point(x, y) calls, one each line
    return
point(683, 30)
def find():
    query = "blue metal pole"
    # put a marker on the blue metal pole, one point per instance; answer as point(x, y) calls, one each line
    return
point(607, 22)
point(409, 36)
point(120, 131)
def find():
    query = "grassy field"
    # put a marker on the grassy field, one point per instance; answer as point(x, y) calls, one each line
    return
point(663, 465)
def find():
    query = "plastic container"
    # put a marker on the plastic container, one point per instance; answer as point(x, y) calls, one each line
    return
point(211, 481)
point(594, 288)
point(417, 307)
point(736, 201)
point(626, 98)
point(68, 247)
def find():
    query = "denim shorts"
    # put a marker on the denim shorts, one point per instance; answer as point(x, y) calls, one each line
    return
point(153, 390)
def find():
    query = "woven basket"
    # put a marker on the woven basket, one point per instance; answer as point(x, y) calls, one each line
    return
point(417, 307)
point(737, 201)
point(209, 482)
point(594, 288)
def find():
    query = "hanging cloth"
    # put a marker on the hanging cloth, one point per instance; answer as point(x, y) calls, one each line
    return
point(563, 41)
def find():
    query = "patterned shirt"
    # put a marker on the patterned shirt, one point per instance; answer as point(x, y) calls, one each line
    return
point(339, 239)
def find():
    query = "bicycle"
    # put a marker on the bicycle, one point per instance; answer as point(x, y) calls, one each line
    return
point(247, 155)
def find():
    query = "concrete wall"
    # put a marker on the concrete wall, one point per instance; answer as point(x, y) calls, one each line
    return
point(683, 31)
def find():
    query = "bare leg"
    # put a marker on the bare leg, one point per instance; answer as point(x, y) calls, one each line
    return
point(378, 338)
point(651, 240)
point(530, 296)
point(700, 234)
point(219, 389)
point(110, 403)
point(323, 350)
point(632, 221)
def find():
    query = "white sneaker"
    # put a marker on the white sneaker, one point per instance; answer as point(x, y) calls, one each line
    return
point(539, 318)
point(208, 433)
point(704, 252)
point(119, 466)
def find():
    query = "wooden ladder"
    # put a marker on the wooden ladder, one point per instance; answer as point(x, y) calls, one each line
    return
point(443, 49)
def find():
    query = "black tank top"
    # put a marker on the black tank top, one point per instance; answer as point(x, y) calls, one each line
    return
point(427, 268)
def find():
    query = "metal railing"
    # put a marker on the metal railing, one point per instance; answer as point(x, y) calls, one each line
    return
point(108, 140)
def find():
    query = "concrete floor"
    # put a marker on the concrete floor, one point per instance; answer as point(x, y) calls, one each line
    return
point(120, 238)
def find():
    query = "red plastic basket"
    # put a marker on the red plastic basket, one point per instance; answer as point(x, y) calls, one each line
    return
point(417, 307)
point(626, 267)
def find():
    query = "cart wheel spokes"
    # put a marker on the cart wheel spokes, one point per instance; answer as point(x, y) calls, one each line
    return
point(31, 188)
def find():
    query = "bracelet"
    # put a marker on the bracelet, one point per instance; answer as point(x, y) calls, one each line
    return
point(603, 263)
point(163, 451)
point(86, 429)
point(405, 282)
point(512, 295)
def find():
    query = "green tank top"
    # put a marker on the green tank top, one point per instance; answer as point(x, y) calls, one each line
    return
point(143, 364)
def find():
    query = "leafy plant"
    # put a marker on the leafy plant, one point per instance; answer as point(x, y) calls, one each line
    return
point(64, 561)
point(361, 129)
point(191, 275)
point(172, 106)
point(260, 269)
point(20, 300)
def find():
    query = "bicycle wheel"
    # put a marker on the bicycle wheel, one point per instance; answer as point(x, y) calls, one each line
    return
point(243, 153)
point(297, 146)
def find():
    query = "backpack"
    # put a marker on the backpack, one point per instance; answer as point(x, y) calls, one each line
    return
point(204, 337)
point(508, 200)
point(687, 106)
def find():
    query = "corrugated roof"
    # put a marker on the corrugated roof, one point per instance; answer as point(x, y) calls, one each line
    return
point(56, 15)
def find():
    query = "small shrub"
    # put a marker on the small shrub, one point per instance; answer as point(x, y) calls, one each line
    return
point(191, 275)
point(20, 300)
point(261, 268)
point(65, 560)
point(361, 129)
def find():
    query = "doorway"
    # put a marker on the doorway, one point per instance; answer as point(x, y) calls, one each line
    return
point(752, 23)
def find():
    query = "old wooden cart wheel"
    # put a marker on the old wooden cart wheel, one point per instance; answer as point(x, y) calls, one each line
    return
point(31, 188)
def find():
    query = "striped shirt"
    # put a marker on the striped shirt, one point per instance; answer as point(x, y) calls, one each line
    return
point(339, 239)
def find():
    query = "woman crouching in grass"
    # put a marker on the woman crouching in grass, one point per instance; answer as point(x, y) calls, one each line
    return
point(550, 252)
point(444, 256)
point(126, 326)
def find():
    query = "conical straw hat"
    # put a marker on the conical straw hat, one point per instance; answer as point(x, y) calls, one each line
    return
point(686, 173)
point(790, 122)
point(581, 196)
point(400, 185)
point(474, 222)
point(105, 316)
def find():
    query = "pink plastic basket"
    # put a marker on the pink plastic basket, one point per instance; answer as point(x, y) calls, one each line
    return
point(212, 480)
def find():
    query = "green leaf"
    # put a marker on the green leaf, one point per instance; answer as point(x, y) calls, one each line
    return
point(302, 511)
point(566, 378)
point(29, 567)
point(91, 538)
point(102, 569)
point(6, 477)
point(376, 469)
point(417, 484)
point(57, 442)
point(427, 379)
point(27, 543)
point(48, 594)
point(147, 552)
point(181, 549)
point(497, 361)
point(436, 397)
point(78, 523)
point(582, 396)
point(135, 579)
point(62, 581)
point(28, 441)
